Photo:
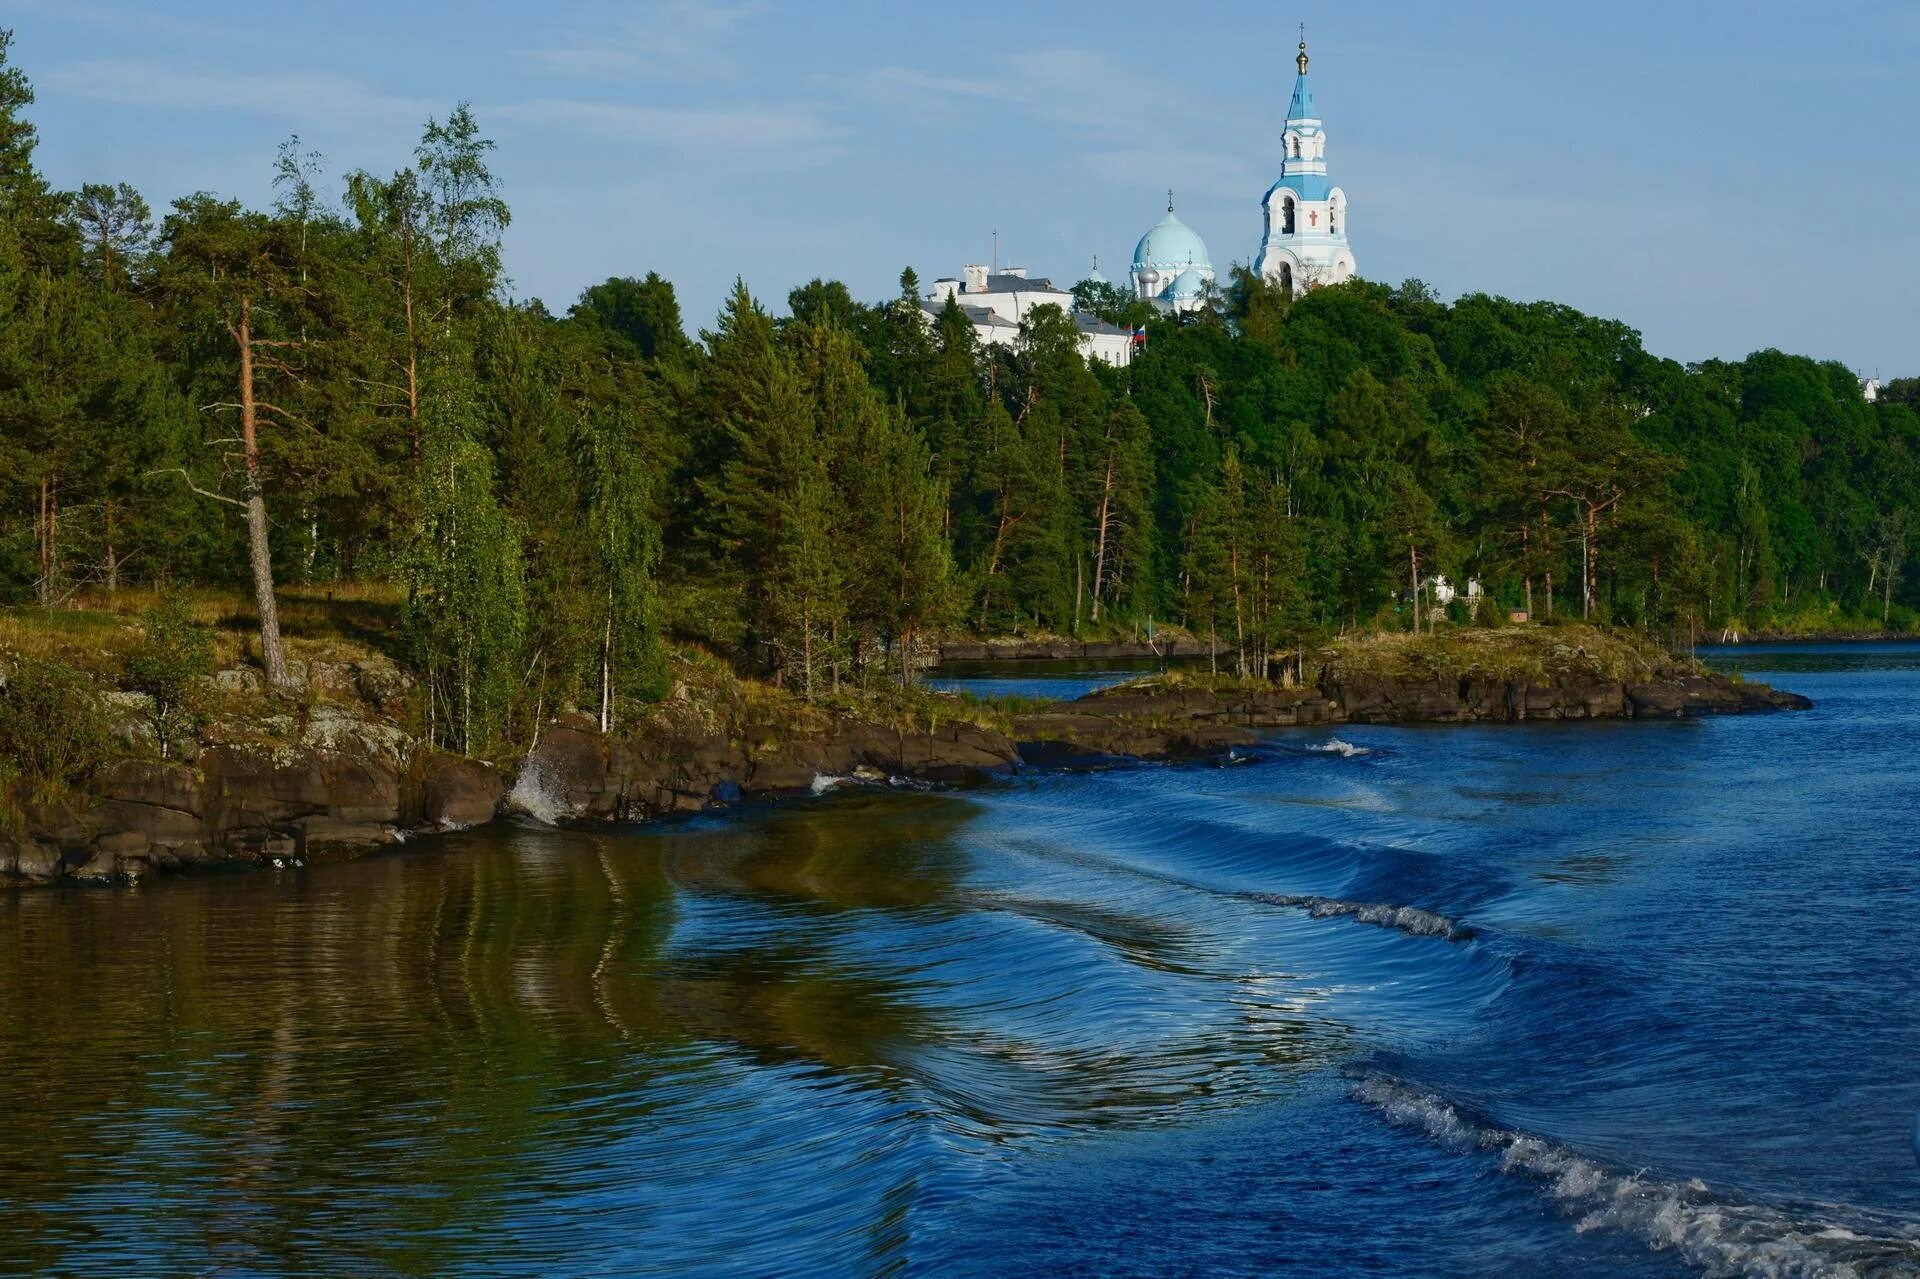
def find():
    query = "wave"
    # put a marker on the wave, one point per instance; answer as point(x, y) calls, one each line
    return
point(1336, 746)
point(1723, 1236)
point(824, 782)
point(1411, 920)
point(538, 794)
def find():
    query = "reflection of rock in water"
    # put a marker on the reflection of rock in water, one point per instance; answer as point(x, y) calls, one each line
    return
point(630, 1014)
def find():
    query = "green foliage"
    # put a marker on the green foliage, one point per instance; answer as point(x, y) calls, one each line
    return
point(467, 612)
point(173, 655)
point(624, 550)
point(641, 313)
point(811, 497)
point(53, 727)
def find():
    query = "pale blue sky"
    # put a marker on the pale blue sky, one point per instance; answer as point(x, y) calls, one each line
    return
point(1721, 176)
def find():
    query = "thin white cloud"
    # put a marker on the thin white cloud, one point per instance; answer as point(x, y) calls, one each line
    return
point(798, 133)
point(1073, 89)
point(1192, 172)
point(676, 39)
point(294, 95)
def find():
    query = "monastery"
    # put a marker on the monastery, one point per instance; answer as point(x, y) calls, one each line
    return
point(1303, 245)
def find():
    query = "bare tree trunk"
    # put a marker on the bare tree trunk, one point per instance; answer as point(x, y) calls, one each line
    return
point(1079, 588)
point(1007, 521)
point(1547, 572)
point(43, 536)
point(1526, 565)
point(413, 351)
point(113, 561)
point(1266, 614)
point(258, 548)
point(1239, 628)
point(1590, 556)
point(606, 669)
point(1100, 543)
point(806, 649)
point(1413, 577)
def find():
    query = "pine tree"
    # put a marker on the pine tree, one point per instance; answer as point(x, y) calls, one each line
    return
point(227, 283)
point(775, 510)
point(115, 228)
point(1122, 506)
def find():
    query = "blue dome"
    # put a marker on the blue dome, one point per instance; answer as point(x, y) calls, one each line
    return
point(1170, 246)
point(1190, 283)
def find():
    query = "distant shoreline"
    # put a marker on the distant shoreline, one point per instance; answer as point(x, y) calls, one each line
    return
point(1781, 639)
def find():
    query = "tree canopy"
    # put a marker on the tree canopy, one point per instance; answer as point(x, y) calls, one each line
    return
point(811, 495)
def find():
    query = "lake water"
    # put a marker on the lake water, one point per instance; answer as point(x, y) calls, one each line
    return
point(1043, 680)
point(1654, 1009)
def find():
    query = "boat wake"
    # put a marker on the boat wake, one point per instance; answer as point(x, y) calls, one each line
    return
point(1410, 920)
point(1337, 746)
point(1723, 1236)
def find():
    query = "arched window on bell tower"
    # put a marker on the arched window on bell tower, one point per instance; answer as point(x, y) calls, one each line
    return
point(1286, 276)
point(1333, 219)
point(1286, 216)
point(1293, 146)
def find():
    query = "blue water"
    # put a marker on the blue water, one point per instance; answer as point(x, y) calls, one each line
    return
point(1638, 999)
point(1059, 680)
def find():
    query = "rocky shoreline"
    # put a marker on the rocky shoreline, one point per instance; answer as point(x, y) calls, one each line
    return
point(355, 793)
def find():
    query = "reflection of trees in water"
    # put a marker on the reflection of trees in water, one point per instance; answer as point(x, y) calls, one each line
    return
point(361, 1065)
point(379, 1043)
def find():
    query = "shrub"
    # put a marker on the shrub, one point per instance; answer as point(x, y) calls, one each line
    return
point(53, 728)
point(173, 655)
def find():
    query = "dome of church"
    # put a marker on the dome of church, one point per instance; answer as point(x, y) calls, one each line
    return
point(1171, 245)
point(1190, 283)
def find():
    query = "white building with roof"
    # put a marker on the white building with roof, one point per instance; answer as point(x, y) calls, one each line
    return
point(998, 302)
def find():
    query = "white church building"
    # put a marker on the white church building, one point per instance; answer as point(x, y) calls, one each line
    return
point(1303, 245)
point(1170, 265)
point(1304, 222)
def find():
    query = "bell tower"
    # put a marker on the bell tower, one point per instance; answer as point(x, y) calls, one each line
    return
point(1305, 240)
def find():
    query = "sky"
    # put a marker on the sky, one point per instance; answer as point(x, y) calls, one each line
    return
point(1723, 177)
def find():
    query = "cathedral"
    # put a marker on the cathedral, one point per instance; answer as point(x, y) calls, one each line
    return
point(1303, 246)
point(1304, 242)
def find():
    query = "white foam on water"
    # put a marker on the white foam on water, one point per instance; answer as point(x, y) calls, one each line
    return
point(1723, 1236)
point(537, 794)
point(1336, 746)
point(824, 782)
point(1411, 920)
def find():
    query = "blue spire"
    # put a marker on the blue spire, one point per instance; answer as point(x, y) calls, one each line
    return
point(1302, 108)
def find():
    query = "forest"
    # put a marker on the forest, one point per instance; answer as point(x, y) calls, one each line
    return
point(339, 391)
